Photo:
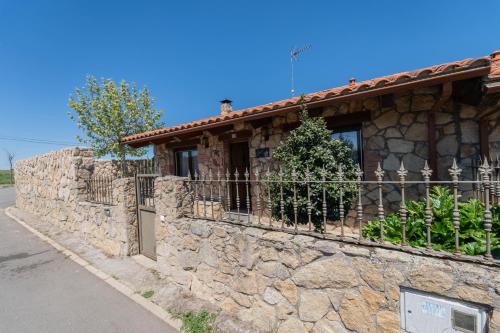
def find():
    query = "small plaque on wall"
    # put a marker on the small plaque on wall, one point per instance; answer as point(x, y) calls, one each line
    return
point(262, 152)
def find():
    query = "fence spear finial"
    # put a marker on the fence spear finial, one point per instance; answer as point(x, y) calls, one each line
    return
point(379, 172)
point(359, 172)
point(426, 171)
point(402, 172)
point(454, 171)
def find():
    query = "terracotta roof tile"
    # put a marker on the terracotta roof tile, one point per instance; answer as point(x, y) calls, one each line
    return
point(385, 81)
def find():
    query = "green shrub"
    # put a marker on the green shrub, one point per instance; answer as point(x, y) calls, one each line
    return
point(472, 237)
point(197, 322)
point(310, 147)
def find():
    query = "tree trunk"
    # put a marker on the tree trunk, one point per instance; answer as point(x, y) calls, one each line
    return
point(122, 161)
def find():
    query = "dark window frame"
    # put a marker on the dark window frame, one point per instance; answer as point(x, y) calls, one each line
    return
point(190, 166)
point(359, 136)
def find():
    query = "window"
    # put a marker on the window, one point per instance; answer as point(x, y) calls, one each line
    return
point(186, 161)
point(352, 137)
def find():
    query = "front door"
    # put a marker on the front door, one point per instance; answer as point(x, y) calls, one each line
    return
point(240, 160)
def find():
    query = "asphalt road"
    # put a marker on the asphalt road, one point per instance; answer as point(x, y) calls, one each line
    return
point(42, 291)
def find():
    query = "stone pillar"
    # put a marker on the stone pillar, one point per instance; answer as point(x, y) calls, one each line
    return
point(124, 194)
point(172, 198)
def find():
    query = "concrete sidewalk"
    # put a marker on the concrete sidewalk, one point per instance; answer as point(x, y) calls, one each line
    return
point(42, 290)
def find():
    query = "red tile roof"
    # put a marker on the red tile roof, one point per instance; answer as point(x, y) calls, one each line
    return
point(393, 80)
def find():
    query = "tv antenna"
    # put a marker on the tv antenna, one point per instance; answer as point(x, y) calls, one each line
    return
point(294, 56)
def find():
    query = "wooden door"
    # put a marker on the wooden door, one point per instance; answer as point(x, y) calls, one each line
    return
point(240, 160)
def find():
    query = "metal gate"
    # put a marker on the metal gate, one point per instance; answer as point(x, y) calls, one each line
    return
point(145, 190)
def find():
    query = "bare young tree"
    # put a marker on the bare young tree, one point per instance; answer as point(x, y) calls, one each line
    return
point(10, 157)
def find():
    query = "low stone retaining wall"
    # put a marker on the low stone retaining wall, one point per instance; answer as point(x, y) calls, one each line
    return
point(52, 186)
point(286, 283)
point(277, 281)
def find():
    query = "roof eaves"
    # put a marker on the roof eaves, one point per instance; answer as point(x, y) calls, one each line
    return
point(480, 66)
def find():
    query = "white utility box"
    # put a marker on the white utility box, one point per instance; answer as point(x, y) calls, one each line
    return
point(426, 313)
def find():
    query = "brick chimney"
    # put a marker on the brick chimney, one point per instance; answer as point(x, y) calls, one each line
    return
point(495, 63)
point(225, 106)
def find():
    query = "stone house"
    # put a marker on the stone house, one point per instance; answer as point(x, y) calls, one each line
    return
point(436, 114)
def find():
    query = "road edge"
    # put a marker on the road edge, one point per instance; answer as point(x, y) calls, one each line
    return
point(153, 308)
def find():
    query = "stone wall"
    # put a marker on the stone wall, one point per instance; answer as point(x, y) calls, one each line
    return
point(52, 186)
point(112, 168)
point(281, 282)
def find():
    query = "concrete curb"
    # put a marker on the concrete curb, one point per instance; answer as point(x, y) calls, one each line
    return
point(125, 290)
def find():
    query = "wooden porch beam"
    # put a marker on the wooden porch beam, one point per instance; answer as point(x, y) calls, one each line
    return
point(431, 126)
point(484, 146)
point(333, 122)
point(243, 134)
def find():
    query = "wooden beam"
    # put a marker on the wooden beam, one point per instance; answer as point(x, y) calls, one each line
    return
point(484, 146)
point(345, 120)
point(183, 144)
point(221, 129)
point(489, 114)
point(243, 134)
point(431, 126)
point(431, 139)
point(260, 122)
point(335, 122)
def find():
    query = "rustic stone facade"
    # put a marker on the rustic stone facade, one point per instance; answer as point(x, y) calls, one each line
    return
point(284, 283)
point(394, 132)
point(52, 186)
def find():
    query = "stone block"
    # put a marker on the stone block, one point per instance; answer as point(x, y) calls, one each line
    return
point(388, 322)
point(432, 278)
point(291, 325)
point(387, 119)
point(447, 146)
point(400, 146)
point(287, 289)
point(313, 305)
point(328, 326)
point(272, 296)
point(334, 272)
point(422, 102)
point(355, 314)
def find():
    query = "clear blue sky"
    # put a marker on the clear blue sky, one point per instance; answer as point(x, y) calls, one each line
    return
point(193, 54)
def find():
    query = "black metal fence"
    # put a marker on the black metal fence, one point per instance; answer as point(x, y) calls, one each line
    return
point(261, 199)
point(99, 189)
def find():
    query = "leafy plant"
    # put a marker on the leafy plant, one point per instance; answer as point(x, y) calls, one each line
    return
point(200, 322)
point(148, 294)
point(472, 237)
point(106, 112)
point(310, 148)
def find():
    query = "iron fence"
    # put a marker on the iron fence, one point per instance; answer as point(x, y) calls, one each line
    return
point(145, 187)
point(476, 174)
point(296, 202)
point(99, 189)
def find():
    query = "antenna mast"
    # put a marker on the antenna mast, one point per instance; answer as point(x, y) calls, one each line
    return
point(294, 56)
